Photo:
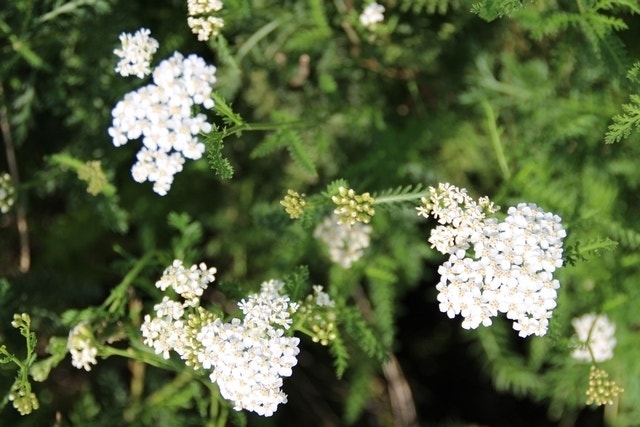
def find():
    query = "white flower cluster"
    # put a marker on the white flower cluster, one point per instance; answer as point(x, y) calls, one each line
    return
point(136, 53)
point(6, 193)
point(200, 20)
point(79, 343)
point(248, 357)
point(596, 333)
point(161, 114)
point(321, 298)
point(495, 267)
point(372, 14)
point(346, 242)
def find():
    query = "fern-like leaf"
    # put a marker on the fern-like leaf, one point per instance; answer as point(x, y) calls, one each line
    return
point(340, 355)
point(297, 283)
point(269, 145)
point(362, 334)
point(492, 9)
point(299, 153)
point(382, 293)
point(359, 395)
point(628, 238)
point(220, 164)
point(623, 124)
point(429, 6)
point(400, 194)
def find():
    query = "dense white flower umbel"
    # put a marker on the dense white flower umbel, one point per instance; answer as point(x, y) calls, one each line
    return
point(346, 242)
point(495, 267)
point(248, 357)
point(136, 53)
point(161, 114)
point(596, 336)
point(201, 19)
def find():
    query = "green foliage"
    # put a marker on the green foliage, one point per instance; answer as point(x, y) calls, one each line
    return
point(429, 6)
point(623, 124)
point(360, 392)
point(218, 163)
point(492, 9)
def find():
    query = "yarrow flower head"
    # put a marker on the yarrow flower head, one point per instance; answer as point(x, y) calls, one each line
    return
point(372, 15)
point(161, 114)
point(7, 192)
point(294, 204)
point(81, 346)
point(346, 242)
point(248, 357)
point(189, 283)
point(596, 336)
point(352, 207)
point(136, 53)
point(495, 267)
point(200, 19)
point(601, 390)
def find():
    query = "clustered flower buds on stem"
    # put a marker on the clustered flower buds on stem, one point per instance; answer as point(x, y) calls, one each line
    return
point(352, 207)
point(294, 204)
point(601, 390)
point(6, 193)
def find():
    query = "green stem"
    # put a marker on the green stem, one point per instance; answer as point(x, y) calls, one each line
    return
point(495, 139)
point(256, 37)
point(250, 127)
point(64, 159)
point(115, 298)
point(394, 198)
point(148, 358)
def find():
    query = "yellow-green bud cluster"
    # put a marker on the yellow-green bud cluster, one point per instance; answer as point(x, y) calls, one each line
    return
point(319, 314)
point(195, 321)
point(294, 204)
point(6, 193)
point(91, 172)
point(23, 399)
point(323, 328)
point(21, 321)
point(353, 207)
point(602, 390)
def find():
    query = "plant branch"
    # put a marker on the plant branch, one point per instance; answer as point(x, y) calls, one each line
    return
point(12, 164)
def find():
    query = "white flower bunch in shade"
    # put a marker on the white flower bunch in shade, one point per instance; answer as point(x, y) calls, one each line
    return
point(495, 267)
point(372, 15)
point(248, 357)
point(162, 115)
point(596, 334)
point(80, 345)
point(346, 242)
point(200, 19)
point(136, 53)
point(7, 192)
